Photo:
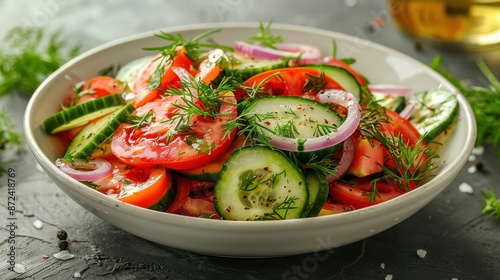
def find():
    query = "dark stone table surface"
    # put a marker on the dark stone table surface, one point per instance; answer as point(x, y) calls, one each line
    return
point(461, 243)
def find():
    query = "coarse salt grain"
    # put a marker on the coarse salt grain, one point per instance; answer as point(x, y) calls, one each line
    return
point(38, 224)
point(19, 268)
point(63, 255)
point(421, 253)
point(382, 265)
point(478, 150)
point(77, 275)
point(465, 188)
point(388, 277)
point(472, 157)
point(472, 169)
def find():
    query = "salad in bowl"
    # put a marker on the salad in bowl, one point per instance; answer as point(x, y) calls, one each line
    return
point(248, 130)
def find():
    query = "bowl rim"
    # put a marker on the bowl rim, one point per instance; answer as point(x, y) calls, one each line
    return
point(351, 216)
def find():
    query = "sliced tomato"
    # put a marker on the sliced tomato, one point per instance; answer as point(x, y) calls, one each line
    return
point(103, 85)
point(139, 186)
point(339, 63)
point(182, 189)
point(357, 193)
point(96, 87)
point(368, 157)
point(330, 207)
point(399, 126)
point(198, 207)
point(142, 89)
point(162, 143)
point(296, 81)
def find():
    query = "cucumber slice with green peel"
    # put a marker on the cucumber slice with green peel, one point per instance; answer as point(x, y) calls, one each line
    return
point(341, 76)
point(317, 185)
point(82, 114)
point(292, 117)
point(395, 103)
point(95, 133)
point(245, 67)
point(259, 183)
point(435, 111)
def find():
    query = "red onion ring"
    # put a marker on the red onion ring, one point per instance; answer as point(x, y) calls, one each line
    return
point(390, 89)
point(409, 109)
point(344, 162)
point(345, 130)
point(85, 169)
point(307, 54)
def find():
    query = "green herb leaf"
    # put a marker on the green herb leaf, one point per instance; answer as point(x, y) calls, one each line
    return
point(26, 62)
point(9, 138)
point(491, 203)
point(264, 37)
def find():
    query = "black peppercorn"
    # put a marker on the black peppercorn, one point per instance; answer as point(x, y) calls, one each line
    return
point(63, 244)
point(62, 235)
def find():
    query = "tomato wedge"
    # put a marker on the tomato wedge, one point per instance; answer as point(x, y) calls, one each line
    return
point(399, 126)
point(102, 85)
point(182, 189)
point(142, 90)
point(162, 142)
point(297, 81)
point(368, 157)
point(143, 187)
point(357, 194)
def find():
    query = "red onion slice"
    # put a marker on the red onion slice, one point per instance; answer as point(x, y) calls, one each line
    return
point(85, 169)
point(345, 130)
point(409, 109)
point(389, 89)
point(308, 54)
point(344, 162)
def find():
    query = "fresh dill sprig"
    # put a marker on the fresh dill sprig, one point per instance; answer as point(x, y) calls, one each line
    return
point(485, 101)
point(315, 83)
point(265, 37)
point(280, 210)
point(9, 138)
point(491, 203)
point(413, 163)
point(28, 56)
point(139, 121)
point(193, 46)
point(198, 99)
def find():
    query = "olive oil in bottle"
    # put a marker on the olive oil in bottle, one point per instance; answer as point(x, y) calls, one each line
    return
point(460, 24)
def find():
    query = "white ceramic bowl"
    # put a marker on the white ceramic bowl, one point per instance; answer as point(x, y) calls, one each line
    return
point(260, 238)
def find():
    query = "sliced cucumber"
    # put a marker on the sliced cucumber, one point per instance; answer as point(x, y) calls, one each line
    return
point(82, 114)
point(341, 76)
point(259, 183)
point(95, 133)
point(245, 67)
point(318, 192)
point(292, 117)
point(435, 111)
point(395, 103)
